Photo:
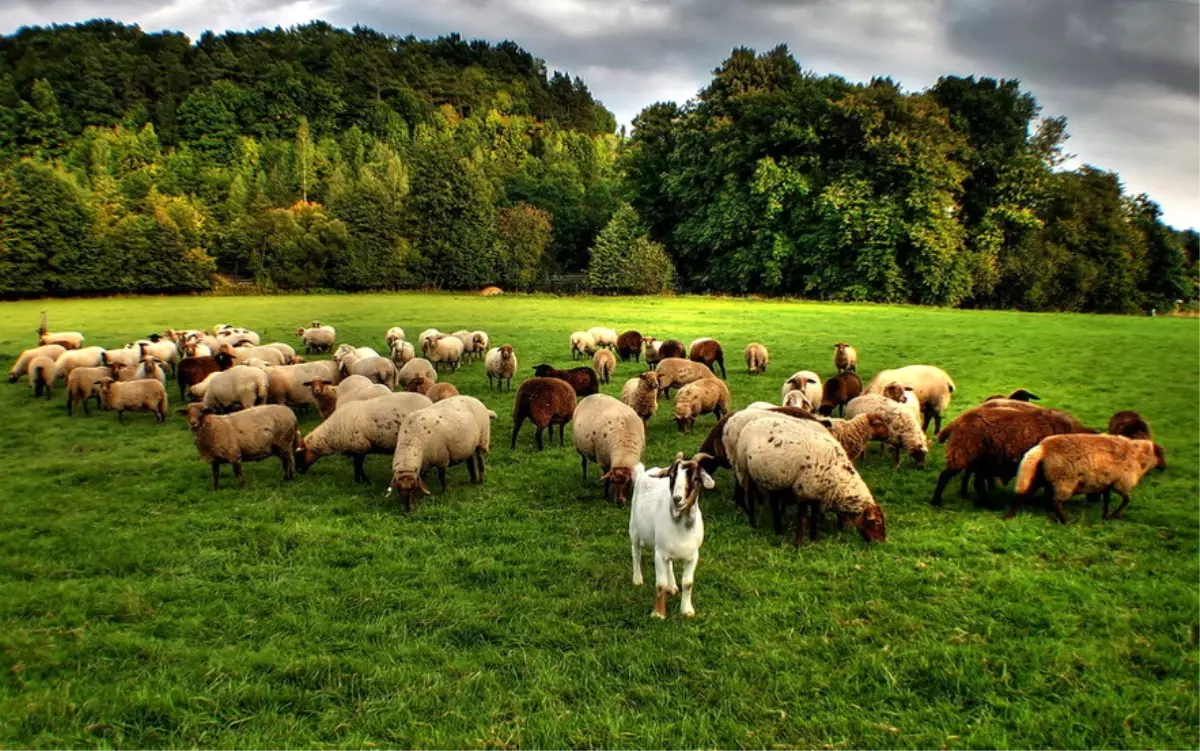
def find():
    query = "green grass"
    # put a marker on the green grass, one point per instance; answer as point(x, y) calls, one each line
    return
point(138, 609)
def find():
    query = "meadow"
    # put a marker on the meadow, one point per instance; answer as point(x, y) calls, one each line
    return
point(139, 609)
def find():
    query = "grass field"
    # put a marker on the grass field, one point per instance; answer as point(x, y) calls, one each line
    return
point(139, 609)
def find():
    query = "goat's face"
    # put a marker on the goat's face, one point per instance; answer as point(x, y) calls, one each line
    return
point(621, 480)
point(687, 479)
point(870, 524)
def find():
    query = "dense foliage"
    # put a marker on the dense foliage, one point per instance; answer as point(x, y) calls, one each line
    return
point(318, 157)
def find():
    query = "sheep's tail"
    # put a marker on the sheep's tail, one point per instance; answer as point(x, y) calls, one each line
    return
point(1028, 469)
point(950, 384)
point(944, 434)
point(491, 415)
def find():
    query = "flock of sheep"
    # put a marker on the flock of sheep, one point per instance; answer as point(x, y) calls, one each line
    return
point(242, 394)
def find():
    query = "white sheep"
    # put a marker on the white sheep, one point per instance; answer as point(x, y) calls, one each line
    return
point(358, 429)
point(452, 431)
point(468, 341)
point(904, 428)
point(418, 367)
point(65, 339)
point(87, 357)
point(845, 358)
point(285, 383)
point(757, 358)
point(402, 352)
point(482, 342)
point(641, 395)
point(603, 337)
point(239, 387)
point(317, 338)
point(501, 364)
point(583, 345)
point(393, 335)
point(805, 381)
point(933, 386)
point(665, 517)
point(289, 352)
point(446, 350)
point(247, 436)
point(81, 386)
point(145, 395)
point(21, 366)
point(378, 369)
point(427, 338)
point(612, 435)
point(41, 375)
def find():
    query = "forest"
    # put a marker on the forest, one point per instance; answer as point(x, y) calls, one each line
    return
point(317, 158)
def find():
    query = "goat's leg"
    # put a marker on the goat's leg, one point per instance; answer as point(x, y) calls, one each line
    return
point(672, 586)
point(660, 586)
point(637, 561)
point(689, 571)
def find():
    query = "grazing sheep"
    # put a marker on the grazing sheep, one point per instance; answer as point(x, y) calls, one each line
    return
point(239, 387)
point(81, 386)
point(545, 402)
point(903, 427)
point(603, 337)
point(857, 433)
point(454, 430)
point(583, 345)
point(1080, 463)
point(64, 339)
point(270, 355)
point(672, 348)
point(393, 335)
point(804, 462)
point(605, 363)
point(402, 353)
point(933, 386)
point(675, 372)
point(418, 367)
point(709, 352)
point(700, 398)
point(665, 517)
point(446, 350)
point(612, 435)
point(123, 357)
point(756, 358)
point(845, 358)
point(641, 395)
point(289, 352)
point(501, 365)
point(584, 380)
point(21, 366)
point(629, 346)
point(347, 353)
point(146, 395)
point(1129, 424)
point(805, 381)
point(838, 391)
point(440, 391)
point(378, 369)
point(248, 436)
point(652, 351)
point(419, 385)
point(318, 338)
point(352, 389)
point(904, 395)
point(87, 357)
point(285, 384)
point(358, 429)
point(41, 375)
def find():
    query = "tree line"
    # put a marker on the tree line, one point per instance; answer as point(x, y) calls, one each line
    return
point(317, 157)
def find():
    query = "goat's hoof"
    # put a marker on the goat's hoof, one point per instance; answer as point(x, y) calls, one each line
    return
point(637, 581)
point(657, 615)
point(688, 613)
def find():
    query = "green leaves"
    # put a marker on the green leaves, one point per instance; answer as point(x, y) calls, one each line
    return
point(624, 260)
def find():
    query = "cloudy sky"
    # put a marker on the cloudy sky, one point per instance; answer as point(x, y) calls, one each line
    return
point(1126, 73)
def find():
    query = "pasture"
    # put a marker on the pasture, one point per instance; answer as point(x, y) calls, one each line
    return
point(139, 609)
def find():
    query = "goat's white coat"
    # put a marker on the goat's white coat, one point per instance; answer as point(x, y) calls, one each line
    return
point(653, 524)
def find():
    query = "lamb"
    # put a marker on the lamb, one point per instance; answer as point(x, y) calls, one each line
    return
point(629, 346)
point(675, 372)
point(845, 358)
point(193, 370)
point(671, 348)
point(605, 363)
point(247, 436)
point(805, 381)
point(87, 357)
point(501, 364)
point(933, 386)
point(665, 516)
point(709, 352)
point(584, 380)
point(418, 367)
point(857, 433)
point(393, 335)
point(612, 435)
point(838, 391)
point(454, 430)
point(1129, 424)
point(440, 391)
point(318, 338)
point(81, 386)
point(64, 339)
point(146, 395)
point(285, 383)
point(903, 427)
point(240, 387)
point(700, 398)
point(378, 369)
point(546, 402)
point(583, 345)
point(358, 429)
point(603, 337)
point(446, 350)
point(41, 375)
point(641, 395)
point(802, 460)
point(21, 366)
point(1080, 463)
point(756, 358)
point(402, 353)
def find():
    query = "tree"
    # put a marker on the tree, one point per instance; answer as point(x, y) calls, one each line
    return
point(303, 152)
point(522, 236)
point(623, 259)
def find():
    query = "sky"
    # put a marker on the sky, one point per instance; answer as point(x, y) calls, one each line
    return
point(1125, 73)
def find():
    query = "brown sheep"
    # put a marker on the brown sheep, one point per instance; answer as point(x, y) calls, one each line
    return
point(845, 358)
point(419, 385)
point(699, 398)
point(145, 395)
point(838, 391)
point(709, 352)
point(629, 346)
point(246, 436)
point(641, 395)
point(193, 370)
point(584, 380)
point(757, 358)
point(441, 391)
point(674, 372)
point(545, 402)
point(325, 393)
point(1129, 424)
point(1020, 395)
point(605, 362)
point(857, 433)
point(671, 348)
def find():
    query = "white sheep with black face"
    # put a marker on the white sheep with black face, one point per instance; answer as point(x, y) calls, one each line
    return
point(664, 516)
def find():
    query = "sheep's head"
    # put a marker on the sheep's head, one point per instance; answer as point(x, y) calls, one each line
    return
point(316, 324)
point(506, 352)
point(318, 385)
point(894, 391)
point(797, 399)
point(196, 415)
point(1024, 395)
point(543, 371)
point(300, 332)
point(224, 360)
point(879, 427)
point(840, 347)
point(305, 456)
point(479, 339)
point(405, 485)
point(870, 523)
point(103, 389)
point(919, 453)
point(648, 380)
point(621, 480)
point(687, 478)
point(419, 385)
point(684, 421)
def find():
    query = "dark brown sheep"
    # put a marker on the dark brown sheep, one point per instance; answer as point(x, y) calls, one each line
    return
point(838, 391)
point(545, 402)
point(629, 345)
point(709, 352)
point(419, 385)
point(584, 380)
point(671, 348)
point(193, 370)
point(1020, 395)
point(1129, 424)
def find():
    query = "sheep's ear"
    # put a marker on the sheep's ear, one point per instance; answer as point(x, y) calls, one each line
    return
point(307, 383)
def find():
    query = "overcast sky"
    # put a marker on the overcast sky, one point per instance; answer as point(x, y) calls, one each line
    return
point(1126, 73)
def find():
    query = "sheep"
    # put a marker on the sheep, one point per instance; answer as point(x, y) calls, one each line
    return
point(1129, 424)
point(583, 345)
point(757, 358)
point(64, 339)
point(440, 391)
point(147, 367)
point(285, 383)
point(419, 385)
point(845, 358)
point(799, 400)
point(247, 436)
point(378, 369)
point(671, 348)
point(989, 442)
point(641, 395)
point(41, 375)
point(21, 366)
point(352, 389)
point(318, 338)
point(857, 433)
point(805, 381)
point(700, 398)
point(426, 339)
point(903, 395)
point(197, 391)
point(289, 352)
point(675, 372)
point(584, 380)
point(238, 336)
point(145, 395)
point(239, 387)
point(604, 337)
point(418, 367)
point(1080, 463)
point(454, 430)
point(125, 356)
point(501, 365)
point(665, 517)
point(358, 429)
point(468, 343)
point(481, 343)
point(629, 346)
point(612, 435)
point(652, 351)
point(903, 427)
point(193, 370)
point(87, 357)
point(446, 350)
point(393, 335)
point(933, 386)
point(196, 348)
point(838, 391)
point(605, 363)
point(545, 402)
point(803, 460)
point(402, 352)
point(709, 352)
point(81, 386)
point(160, 348)
point(346, 352)
point(326, 396)
point(1020, 395)
point(270, 355)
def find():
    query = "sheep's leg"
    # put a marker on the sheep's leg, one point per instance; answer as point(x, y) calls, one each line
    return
point(776, 512)
point(216, 475)
point(724, 375)
point(516, 430)
point(926, 417)
point(963, 491)
point(288, 458)
point(561, 429)
point(482, 466)
point(937, 423)
point(237, 471)
point(1016, 505)
point(981, 488)
point(689, 571)
point(636, 548)
point(490, 386)
point(816, 518)
point(442, 477)
point(538, 436)
point(801, 524)
point(471, 471)
point(1058, 511)
point(121, 416)
point(660, 586)
point(1124, 502)
point(895, 458)
point(360, 474)
point(944, 480)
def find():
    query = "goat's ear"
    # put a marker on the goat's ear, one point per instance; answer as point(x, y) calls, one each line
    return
point(707, 481)
point(661, 473)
